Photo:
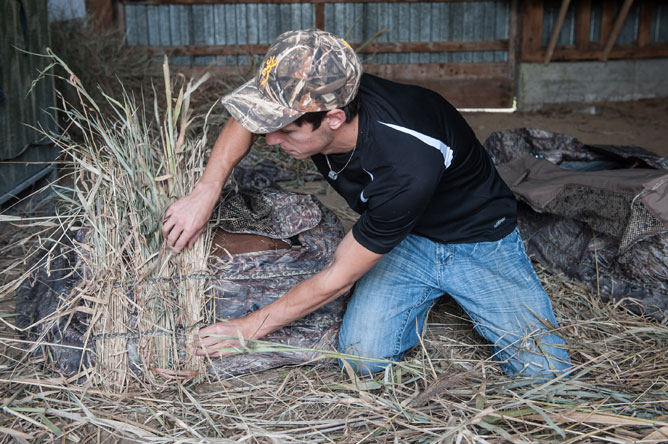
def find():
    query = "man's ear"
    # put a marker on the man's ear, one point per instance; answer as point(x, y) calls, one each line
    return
point(335, 118)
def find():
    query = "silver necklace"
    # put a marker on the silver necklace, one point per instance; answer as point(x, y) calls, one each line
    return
point(335, 174)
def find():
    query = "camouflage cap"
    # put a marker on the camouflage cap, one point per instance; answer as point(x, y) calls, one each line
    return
point(303, 71)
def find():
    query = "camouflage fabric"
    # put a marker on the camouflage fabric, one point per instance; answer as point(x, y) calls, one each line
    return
point(274, 214)
point(303, 71)
point(591, 231)
point(236, 286)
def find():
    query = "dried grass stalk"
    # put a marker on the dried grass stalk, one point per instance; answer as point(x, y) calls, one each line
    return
point(127, 170)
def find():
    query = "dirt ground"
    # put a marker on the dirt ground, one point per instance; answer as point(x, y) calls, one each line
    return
point(642, 123)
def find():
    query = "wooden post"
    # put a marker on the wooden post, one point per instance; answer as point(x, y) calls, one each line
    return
point(320, 16)
point(512, 42)
point(621, 18)
point(557, 30)
point(645, 26)
point(532, 25)
point(102, 13)
point(582, 24)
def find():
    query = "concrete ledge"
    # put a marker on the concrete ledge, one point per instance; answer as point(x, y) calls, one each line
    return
point(617, 81)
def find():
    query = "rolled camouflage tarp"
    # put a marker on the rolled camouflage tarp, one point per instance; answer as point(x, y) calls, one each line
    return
point(597, 214)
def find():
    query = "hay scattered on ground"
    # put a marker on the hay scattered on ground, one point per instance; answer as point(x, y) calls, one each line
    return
point(448, 391)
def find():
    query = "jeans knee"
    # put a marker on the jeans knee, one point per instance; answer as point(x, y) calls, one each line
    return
point(365, 358)
point(363, 367)
point(536, 357)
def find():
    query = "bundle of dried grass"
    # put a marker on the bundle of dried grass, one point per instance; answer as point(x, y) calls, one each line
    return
point(126, 171)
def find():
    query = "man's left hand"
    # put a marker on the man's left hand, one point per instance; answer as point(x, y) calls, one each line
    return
point(213, 339)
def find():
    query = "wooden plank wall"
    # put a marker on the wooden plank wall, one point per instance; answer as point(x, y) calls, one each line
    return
point(583, 48)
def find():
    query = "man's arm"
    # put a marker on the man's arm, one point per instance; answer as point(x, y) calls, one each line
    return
point(351, 260)
point(186, 219)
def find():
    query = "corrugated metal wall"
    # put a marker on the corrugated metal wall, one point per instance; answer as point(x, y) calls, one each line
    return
point(24, 152)
point(627, 35)
point(240, 24)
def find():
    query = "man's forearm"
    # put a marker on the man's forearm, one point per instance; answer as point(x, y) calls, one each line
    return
point(350, 262)
point(232, 145)
point(304, 298)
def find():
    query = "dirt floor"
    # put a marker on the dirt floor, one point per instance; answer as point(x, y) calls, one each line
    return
point(642, 123)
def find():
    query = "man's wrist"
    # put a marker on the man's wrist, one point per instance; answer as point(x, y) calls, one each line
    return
point(209, 186)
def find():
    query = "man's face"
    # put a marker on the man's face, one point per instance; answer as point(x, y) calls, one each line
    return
point(301, 142)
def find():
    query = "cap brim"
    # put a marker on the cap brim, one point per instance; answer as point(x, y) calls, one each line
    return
point(255, 112)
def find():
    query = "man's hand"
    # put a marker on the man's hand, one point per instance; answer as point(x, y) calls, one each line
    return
point(185, 220)
point(221, 335)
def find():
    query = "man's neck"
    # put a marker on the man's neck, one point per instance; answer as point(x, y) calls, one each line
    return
point(345, 138)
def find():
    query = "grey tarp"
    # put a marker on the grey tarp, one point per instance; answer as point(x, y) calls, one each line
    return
point(239, 284)
point(597, 214)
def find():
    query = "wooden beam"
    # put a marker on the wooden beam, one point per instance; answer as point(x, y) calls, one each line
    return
point(102, 13)
point(619, 22)
point(557, 30)
point(532, 26)
point(653, 50)
point(492, 70)
point(403, 47)
point(582, 24)
point(608, 13)
point(513, 40)
point(647, 8)
point(439, 70)
point(320, 16)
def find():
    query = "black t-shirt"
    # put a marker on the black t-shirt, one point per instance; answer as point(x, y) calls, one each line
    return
point(418, 168)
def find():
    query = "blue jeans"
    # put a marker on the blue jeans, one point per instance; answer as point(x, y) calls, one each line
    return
point(493, 282)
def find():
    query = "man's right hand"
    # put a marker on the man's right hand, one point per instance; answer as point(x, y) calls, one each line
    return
point(185, 220)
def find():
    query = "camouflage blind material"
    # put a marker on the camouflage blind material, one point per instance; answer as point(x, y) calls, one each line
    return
point(303, 71)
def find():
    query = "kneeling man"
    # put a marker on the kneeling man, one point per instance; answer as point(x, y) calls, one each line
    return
point(435, 217)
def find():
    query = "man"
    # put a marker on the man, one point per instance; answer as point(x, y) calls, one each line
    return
point(435, 217)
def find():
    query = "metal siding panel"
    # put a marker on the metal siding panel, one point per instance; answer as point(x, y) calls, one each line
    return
point(153, 26)
point(595, 23)
point(458, 30)
point(262, 25)
point(502, 28)
point(550, 15)
point(203, 32)
point(424, 28)
point(405, 22)
point(135, 24)
point(285, 18)
point(219, 24)
point(179, 20)
point(434, 28)
point(253, 23)
point(273, 22)
point(230, 31)
point(393, 14)
point(660, 31)
point(309, 15)
point(629, 32)
point(241, 24)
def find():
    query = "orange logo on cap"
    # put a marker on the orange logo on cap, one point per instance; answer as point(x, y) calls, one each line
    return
point(268, 66)
point(347, 44)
